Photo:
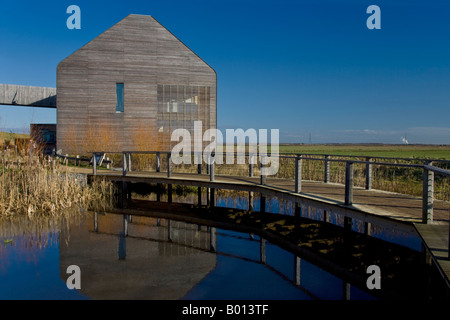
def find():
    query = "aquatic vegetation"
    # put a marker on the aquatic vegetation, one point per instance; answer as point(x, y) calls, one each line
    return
point(41, 188)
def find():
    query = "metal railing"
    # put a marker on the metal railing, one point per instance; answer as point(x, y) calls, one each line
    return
point(253, 159)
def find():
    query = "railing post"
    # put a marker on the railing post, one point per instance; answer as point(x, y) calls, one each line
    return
point(326, 177)
point(95, 221)
point(448, 236)
point(298, 174)
point(212, 196)
point(262, 251)
point(250, 165)
point(199, 165)
point(158, 162)
point(297, 264)
point(263, 176)
point(212, 239)
point(427, 195)
point(169, 166)
point(211, 168)
point(94, 164)
point(124, 163)
point(368, 174)
point(348, 183)
point(169, 193)
point(129, 161)
point(297, 214)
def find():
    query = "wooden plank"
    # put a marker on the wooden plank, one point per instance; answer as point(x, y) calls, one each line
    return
point(29, 96)
point(436, 238)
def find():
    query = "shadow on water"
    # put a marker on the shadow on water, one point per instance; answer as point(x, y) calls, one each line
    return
point(175, 242)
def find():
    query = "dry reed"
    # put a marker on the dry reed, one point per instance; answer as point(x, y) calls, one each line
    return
point(40, 188)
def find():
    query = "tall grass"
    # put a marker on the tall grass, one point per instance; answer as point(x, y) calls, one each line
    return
point(39, 188)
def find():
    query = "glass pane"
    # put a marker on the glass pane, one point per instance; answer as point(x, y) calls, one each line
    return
point(180, 99)
point(160, 98)
point(166, 98)
point(119, 96)
point(173, 99)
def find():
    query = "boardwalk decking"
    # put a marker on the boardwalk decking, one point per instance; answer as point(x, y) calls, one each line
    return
point(436, 239)
point(381, 203)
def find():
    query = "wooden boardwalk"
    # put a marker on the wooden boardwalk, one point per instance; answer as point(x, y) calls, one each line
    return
point(381, 203)
point(436, 240)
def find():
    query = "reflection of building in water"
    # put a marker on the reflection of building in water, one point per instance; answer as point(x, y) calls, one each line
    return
point(145, 258)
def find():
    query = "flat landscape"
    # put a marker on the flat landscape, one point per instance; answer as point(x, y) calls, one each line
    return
point(374, 150)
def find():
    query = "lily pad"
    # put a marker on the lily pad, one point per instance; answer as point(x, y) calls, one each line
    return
point(7, 241)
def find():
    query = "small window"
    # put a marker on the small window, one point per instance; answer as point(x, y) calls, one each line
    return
point(119, 96)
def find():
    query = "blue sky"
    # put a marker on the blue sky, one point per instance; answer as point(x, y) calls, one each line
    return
point(304, 67)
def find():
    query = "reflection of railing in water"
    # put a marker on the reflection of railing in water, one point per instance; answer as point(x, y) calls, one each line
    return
point(208, 244)
point(270, 226)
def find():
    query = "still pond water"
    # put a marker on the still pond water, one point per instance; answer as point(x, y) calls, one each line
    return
point(137, 257)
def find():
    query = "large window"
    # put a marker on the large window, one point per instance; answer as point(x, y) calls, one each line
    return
point(180, 106)
point(120, 97)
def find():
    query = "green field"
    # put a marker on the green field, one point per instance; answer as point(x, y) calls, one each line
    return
point(396, 151)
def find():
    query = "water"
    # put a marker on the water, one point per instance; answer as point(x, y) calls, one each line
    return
point(141, 257)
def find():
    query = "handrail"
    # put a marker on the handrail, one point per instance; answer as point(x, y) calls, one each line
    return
point(437, 170)
point(428, 170)
point(286, 155)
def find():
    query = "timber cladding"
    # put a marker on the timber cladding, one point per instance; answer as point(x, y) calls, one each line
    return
point(165, 86)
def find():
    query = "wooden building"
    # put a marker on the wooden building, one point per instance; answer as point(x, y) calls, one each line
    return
point(129, 88)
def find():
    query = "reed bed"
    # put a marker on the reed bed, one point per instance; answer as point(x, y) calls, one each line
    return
point(38, 188)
